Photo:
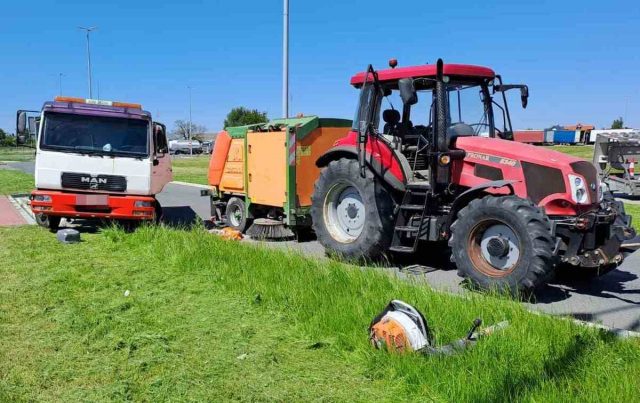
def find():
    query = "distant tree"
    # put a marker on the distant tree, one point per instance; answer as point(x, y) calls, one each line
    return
point(6, 139)
point(617, 123)
point(242, 116)
point(181, 130)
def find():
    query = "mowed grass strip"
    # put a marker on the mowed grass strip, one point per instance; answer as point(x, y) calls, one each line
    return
point(579, 151)
point(191, 169)
point(14, 181)
point(17, 154)
point(208, 319)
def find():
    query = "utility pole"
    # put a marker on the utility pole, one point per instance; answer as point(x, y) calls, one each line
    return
point(190, 124)
point(88, 31)
point(285, 60)
point(60, 83)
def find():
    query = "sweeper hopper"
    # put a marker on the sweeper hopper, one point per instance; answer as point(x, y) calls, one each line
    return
point(264, 174)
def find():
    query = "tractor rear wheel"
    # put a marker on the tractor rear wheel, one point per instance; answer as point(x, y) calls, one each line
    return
point(236, 214)
point(352, 216)
point(503, 243)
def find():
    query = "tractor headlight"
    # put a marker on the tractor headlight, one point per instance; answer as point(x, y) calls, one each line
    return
point(42, 198)
point(579, 192)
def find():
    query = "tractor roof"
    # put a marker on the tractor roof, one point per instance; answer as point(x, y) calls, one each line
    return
point(427, 70)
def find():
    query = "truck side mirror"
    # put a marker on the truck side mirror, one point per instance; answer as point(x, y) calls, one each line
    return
point(160, 138)
point(524, 96)
point(21, 128)
point(407, 91)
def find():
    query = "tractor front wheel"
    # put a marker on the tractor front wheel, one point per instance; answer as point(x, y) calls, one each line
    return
point(352, 216)
point(503, 243)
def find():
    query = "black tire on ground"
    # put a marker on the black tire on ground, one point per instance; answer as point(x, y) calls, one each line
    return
point(50, 222)
point(521, 265)
point(235, 214)
point(377, 228)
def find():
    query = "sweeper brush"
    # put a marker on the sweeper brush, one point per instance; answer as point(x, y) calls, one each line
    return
point(269, 230)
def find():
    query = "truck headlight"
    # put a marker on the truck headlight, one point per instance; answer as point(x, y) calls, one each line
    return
point(579, 192)
point(42, 198)
point(143, 203)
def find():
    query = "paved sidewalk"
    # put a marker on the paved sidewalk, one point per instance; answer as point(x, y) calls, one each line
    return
point(9, 216)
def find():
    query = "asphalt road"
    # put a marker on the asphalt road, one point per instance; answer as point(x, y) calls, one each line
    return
point(613, 299)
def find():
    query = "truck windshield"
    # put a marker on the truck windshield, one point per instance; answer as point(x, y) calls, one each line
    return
point(95, 135)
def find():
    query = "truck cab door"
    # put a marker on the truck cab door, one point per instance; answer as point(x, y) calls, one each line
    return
point(161, 172)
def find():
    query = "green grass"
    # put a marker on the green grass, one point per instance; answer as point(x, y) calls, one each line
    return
point(584, 152)
point(191, 169)
point(17, 154)
point(208, 319)
point(13, 181)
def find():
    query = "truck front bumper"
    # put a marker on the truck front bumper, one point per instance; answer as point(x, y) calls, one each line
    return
point(594, 239)
point(92, 205)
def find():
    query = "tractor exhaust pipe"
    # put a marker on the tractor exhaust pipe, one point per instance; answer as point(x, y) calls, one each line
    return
point(440, 172)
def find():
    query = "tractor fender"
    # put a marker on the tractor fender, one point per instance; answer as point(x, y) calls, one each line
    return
point(465, 197)
point(350, 152)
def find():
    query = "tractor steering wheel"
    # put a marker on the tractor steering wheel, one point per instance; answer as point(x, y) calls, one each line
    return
point(487, 125)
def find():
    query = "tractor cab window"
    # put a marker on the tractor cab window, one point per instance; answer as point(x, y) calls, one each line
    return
point(467, 108)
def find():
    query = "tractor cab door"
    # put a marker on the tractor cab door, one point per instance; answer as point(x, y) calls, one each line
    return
point(161, 172)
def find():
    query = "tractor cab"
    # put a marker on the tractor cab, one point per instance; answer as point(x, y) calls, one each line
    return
point(398, 105)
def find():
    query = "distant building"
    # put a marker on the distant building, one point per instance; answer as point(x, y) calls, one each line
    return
point(584, 129)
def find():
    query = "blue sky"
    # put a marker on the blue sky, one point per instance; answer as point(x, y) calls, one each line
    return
point(581, 60)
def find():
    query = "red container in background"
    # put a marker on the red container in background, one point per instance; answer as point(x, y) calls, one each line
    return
point(529, 136)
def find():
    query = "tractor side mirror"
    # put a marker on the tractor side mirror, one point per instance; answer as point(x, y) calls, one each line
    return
point(407, 91)
point(524, 96)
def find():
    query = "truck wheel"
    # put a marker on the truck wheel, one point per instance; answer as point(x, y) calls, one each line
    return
point(503, 243)
point(352, 216)
point(50, 222)
point(157, 212)
point(235, 214)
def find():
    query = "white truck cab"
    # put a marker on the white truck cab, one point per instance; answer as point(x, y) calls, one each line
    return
point(96, 159)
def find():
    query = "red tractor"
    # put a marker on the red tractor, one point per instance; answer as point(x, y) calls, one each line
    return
point(442, 169)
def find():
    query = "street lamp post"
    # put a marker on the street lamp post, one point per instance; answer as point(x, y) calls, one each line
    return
point(190, 124)
point(285, 60)
point(60, 83)
point(88, 31)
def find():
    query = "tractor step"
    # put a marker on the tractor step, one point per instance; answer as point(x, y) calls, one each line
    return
point(402, 249)
point(418, 194)
point(415, 207)
point(406, 228)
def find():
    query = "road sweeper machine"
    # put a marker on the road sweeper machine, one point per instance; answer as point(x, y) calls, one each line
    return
point(95, 159)
point(413, 168)
point(266, 173)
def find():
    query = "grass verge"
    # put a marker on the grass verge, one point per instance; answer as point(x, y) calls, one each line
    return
point(580, 151)
point(208, 319)
point(13, 181)
point(191, 169)
point(17, 154)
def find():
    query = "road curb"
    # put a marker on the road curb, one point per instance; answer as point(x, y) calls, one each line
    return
point(21, 204)
point(195, 185)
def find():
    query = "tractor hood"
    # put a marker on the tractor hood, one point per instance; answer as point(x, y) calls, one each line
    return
point(549, 178)
point(515, 151)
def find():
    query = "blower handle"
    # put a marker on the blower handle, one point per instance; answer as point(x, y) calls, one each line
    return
point(476, 324)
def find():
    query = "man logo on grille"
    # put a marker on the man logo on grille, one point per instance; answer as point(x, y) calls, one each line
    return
point(93, 181)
